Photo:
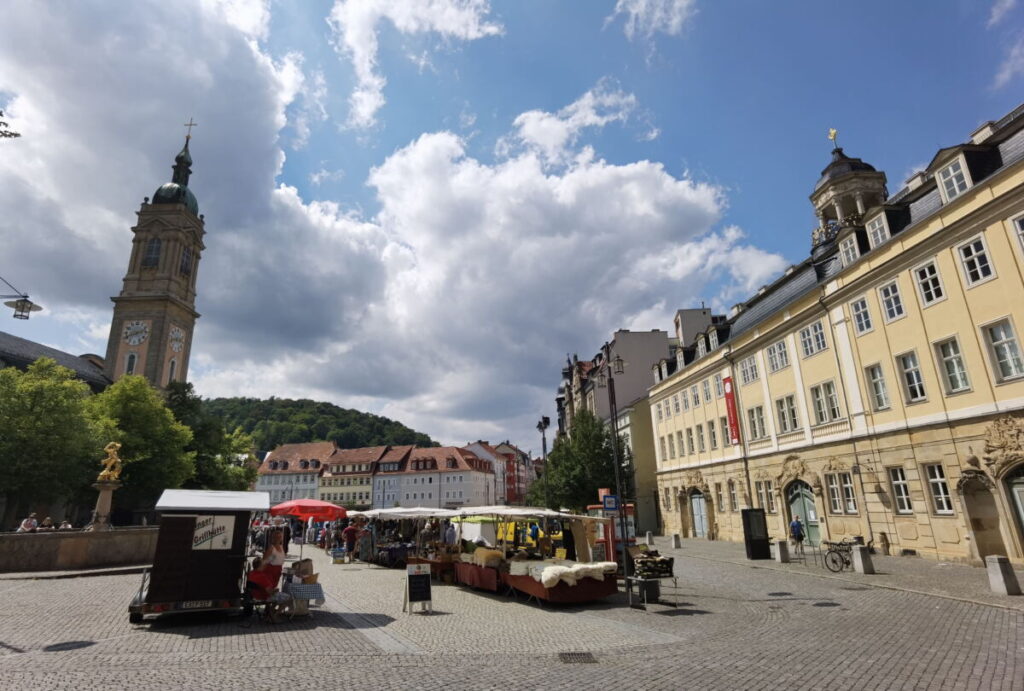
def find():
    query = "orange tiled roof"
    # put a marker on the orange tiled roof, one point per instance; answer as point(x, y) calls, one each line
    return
point(288, 458)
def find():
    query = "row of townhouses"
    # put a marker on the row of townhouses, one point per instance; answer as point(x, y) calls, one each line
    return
point(379, 477)
point(875, 389)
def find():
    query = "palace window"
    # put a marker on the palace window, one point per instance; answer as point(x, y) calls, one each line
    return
point(748, 370)
point(185, 268)
point(679, 439)
point(719, 386)
point(954, 182)
point(892, 304)
point(786, 409)
point(712, 434)
point(733, 504)
point(686, 400)
point(700, 439)
point(812, 339)
point(701, 348)
point(877, 232)
point(672, 446)
point(695, 395)
point(900, 490)
point(723, 423)
point(840, 493)
point(913, 382)
point(861, 315)
point(657, 410)
point(675, 404)
point(719, 502)
point(151, 259)
point(664, 449)
point(879, 392)
point(689, 440)
point(974, 259)
point(706, 388)
point(954, 373)
point(1018, 224)
point(848, 250)
point(929, 284)
point(755, 422)
point(940, 490)
point(1005, 350)
point(826, 403)
point(765, 494)
point(713, 338)
point(778, 356)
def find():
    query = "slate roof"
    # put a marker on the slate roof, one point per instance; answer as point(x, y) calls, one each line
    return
point(20, 353)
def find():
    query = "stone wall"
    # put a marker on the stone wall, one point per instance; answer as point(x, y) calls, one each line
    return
point(71, 550)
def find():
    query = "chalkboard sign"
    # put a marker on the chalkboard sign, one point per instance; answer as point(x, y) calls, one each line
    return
point(417, 587)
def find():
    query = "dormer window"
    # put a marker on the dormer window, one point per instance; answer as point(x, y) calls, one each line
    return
point(273, 465)
point(315, 463)
point(303, 464)
point(953, 180)
point(848, 250)
point(713, 338)
point(284, 465)
point(701, 349)
point(878, 233)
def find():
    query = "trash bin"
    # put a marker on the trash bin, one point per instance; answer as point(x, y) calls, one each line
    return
point(649, 590)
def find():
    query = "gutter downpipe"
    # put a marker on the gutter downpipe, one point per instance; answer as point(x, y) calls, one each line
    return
point(846, 400)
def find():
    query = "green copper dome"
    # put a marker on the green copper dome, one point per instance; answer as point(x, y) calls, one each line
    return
point(177, 191)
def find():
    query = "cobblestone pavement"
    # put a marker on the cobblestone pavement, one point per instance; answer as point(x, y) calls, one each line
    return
point(744, 625)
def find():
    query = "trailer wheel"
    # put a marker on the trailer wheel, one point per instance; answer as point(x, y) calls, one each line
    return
point(135, 617)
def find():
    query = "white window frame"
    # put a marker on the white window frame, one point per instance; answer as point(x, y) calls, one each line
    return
point(942, 501)
point(889, 296)
point(993, 353)
point(825, 403)
point(936, 277)
point(835, 497)
point(663, 448)
point(748, 370)
point(701, 348)
point(984, 252)
point(712, 435)
point(713, 338)
point(686, 400)
point(657, 408)
point(719, 386)
point(902, 503)
point(755, 423)
point(671, 446)
point(944, 360)
point(765, 495)
point(719, 497)
point(788, 418)
point(848, 250)
point(878, 231)
point(812, 339)
point(1017, 222)
point(689, 441)
point(862, 323)
point(946, 175)
point(723, 423)
point(679, 440)
point(675, 404)
point(879, 390)
point(905, 383)
point(778, 356)
point(706, 390)
point(695, 395)
point(734, 503)
point(700, 438)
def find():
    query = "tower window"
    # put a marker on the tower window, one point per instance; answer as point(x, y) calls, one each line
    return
point(129, 365)
point(185, 269)
point(170, 370)
point(151, 259)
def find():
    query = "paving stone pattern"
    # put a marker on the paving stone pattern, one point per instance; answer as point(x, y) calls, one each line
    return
point(741, 625)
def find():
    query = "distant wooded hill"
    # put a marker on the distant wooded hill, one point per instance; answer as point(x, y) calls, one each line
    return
point(277, 421)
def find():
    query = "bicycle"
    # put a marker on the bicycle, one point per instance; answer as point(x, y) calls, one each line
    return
point(839, 555)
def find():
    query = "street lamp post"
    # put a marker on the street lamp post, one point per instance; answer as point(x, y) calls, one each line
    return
point(542, 427)
point(614, 367)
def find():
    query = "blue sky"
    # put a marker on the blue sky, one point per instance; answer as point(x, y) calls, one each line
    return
point(417, 208)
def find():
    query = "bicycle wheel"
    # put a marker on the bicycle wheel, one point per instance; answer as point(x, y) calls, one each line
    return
point(834, 561)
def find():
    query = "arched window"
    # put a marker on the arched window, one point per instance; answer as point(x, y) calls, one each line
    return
point(129, 365)
point(151, 258)
point(185, 268)
point(171, 370)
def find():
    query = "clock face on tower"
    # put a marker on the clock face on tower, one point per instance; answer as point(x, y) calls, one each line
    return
point(135, 332)
point(177, 339)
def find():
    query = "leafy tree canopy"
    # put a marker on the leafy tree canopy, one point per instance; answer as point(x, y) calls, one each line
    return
point(277, 421)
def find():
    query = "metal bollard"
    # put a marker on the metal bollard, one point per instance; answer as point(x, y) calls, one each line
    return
point(650, 539)
point(677, 542)
point(782, 551)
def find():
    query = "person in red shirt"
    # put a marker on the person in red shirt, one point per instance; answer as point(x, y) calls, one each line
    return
point(349, 535)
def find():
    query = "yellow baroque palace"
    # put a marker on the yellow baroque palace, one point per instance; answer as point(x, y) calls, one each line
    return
point(877, 388)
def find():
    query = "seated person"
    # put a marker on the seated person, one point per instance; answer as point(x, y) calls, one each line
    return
point(259, 582)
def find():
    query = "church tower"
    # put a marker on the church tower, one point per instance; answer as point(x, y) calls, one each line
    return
point(154, 316)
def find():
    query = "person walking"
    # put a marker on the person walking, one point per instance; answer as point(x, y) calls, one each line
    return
point(349, 534)
point(796, 533)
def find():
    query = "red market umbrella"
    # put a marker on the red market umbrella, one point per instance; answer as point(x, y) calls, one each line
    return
point(309, 508)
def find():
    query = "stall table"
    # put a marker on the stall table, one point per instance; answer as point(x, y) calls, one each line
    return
point(482, 577)
point(585, 590)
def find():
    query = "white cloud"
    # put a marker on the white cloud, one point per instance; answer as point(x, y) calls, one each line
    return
point(644, 18)
point(1000, 8)
point(323, 175)
point(553, 134)
point(355, 25)
point(1012, 66)
point(251, 17)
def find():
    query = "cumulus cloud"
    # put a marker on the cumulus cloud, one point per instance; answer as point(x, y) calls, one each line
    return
point(1012, 65)
point(356, 25)
point(450, 309)
point(1000, 8)
point(644, 18)
point(553, 134)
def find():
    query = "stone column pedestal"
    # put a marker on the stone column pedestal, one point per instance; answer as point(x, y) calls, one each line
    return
point(1001, 578)
point(677, 542)
point(862, 560)
point(101, 515)
point(782, 551)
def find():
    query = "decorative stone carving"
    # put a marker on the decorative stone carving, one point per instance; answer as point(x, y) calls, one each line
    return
point(968, 476)
point(695, 480)
point(792, 469)
point(1004, 444)
point(834, 465)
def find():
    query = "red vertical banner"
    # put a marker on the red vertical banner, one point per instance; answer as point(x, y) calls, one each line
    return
point(730, 409)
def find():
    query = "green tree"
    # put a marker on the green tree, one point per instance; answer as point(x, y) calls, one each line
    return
point(5, 130)
point(154, 446)
point(223, 461)
point(49, 443)
point(577, 467)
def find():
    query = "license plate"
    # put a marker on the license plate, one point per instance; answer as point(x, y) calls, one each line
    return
point(196, 604)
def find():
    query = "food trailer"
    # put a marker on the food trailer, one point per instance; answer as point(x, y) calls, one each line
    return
point(201, 549)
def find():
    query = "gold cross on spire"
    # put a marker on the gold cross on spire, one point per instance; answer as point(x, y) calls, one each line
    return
point(190, 125)
point(832, 133)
